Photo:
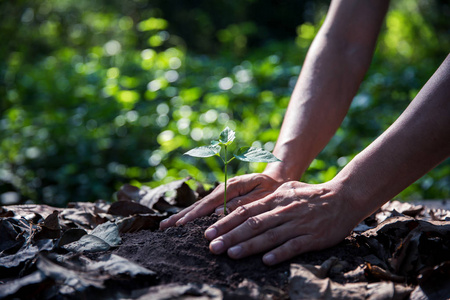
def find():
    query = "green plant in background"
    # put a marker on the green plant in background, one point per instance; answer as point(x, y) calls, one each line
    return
point(95, 94)
point(247, 154)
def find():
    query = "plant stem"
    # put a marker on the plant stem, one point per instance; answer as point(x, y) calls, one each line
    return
point(225, 194)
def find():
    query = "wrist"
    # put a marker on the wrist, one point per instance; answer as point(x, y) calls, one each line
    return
point(279, 173)
point(361, 197)
point(356, 201)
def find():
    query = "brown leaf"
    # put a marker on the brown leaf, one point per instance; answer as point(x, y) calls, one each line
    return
point(70, 280)
point(184, 195)
point(128, 192)
point(50, 229)
point(405, 208)
point(179, 291)
point(128, 208)
point(97, 207)
point(140, 222)
point(70, 236)
point(85, 219)
point(304, 284)
point(5, 213)
point(439, 214)
point(51, 222)
point(27, 286)
point(10, 240)
point(407, 245)
point(27, 209)
point(434, 283)
point(377, 273)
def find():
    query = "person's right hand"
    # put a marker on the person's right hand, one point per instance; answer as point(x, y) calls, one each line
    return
point(240, 190)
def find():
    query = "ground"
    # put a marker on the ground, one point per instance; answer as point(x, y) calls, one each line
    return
point(116, 251)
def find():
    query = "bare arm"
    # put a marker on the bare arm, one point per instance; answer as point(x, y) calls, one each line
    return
point(298, 217)
point(417, 141)
point(333, 69)
point(331, 74)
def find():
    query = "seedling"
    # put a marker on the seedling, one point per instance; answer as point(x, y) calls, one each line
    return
point(247, 154)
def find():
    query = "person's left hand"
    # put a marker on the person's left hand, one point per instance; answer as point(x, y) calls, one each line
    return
point(294, 219)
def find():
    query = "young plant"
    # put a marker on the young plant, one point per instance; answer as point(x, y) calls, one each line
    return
point(247, 154)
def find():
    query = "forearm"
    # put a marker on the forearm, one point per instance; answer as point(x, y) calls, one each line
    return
point(414, 144)
point(333, 69)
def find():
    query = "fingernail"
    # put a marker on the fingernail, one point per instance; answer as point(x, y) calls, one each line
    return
point(180, 222)
point(269, 259)
point(235, 251)
point(163, 222)
point(216, 246)
point(219, 211)
point(211, 233)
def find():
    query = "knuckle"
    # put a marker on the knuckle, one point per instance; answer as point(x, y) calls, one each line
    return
point(220, 187)
point(271, 237)
point(295, 246)
point(233, 180)
point(235, 203)
point(254, 223)
point(242, 211)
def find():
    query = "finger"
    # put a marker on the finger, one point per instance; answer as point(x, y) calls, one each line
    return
point(201, 208)
point(233, 219)
point(261, 230)
point(234, 203)
point(236, 186)
point(290, 249)
point(171, 221)
point(267, 240)
point(255, 223)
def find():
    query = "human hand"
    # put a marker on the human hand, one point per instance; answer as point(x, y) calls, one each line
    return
point(241, 190)
point(294, 219)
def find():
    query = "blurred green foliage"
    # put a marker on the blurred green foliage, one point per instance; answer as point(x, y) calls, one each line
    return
point(95, 94)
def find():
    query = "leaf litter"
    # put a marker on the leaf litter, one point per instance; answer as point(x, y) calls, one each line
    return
point(116, 251)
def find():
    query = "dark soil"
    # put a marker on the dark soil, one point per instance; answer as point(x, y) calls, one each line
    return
point(400, 252)
point(181, 255)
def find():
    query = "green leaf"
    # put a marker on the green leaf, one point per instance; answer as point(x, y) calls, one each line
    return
point(251, 154)
point(204, 151)
point(227, 136)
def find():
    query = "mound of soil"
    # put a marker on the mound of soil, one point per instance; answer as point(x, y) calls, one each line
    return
point(181, 255)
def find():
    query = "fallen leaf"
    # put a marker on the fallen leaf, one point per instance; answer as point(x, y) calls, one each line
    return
point(27, 252)
point(70, 280)
point(140, 222)
point(87, 243)
point(78, 218)
point(101, 238)
point(179, 291)
point(128, 192)
point(50, 229)
point(434, 283)
point(304, 284)
point(404, 208)
point(27, 209)
point(128, 208)
point(71, 235)
point(108, 232)
point(97, 207)
point(183, 195)
point(10, 240)
point(374, 272)
point(115, 265)
point(24, 287)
